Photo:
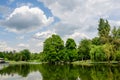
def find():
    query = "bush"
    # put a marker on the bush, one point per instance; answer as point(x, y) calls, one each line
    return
point(97, 53)
point(117, 55)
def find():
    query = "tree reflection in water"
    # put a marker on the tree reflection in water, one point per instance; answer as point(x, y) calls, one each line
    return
point(64, 72)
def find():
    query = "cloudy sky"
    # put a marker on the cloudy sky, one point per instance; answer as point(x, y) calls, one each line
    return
point(27, 23)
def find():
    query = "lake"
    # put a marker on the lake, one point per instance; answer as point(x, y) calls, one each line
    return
point(59, 72)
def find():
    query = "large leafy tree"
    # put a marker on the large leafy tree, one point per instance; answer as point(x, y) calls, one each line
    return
point(116, 38)
point(109, 52)
point(116, 32)
point(71, 51)
point(23, 55)
point(84, 49)
point(117, 55)
point(1, 55)
point(52, 48)
point(103, 31)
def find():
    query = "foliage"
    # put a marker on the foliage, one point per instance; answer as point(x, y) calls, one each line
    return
point(104, 28)
point(71, 50)
point(103, 31)
point(84, 49)
point(52, 48)
point(108, 50)
point(117, 56)
point(25, 55)
point(97, 53)
point(96, 41)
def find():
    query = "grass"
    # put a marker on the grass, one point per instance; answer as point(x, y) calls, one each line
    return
point(23, 62)
point(89, 62)
point(17, 62)
point(84, 62)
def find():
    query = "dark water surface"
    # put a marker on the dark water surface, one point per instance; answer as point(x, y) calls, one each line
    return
point(59, 72)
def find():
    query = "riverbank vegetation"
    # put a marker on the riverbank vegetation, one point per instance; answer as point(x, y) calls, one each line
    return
point(104, 47)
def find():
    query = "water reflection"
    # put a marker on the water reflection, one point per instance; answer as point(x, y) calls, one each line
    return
point(60, 72)
point(2, 65)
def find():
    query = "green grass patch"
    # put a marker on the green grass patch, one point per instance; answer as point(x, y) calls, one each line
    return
point(89, 62)
point(84, 62)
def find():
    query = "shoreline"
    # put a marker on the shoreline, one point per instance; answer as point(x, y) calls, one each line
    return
point(22, 62)
point(89, 63)
point(84, 63)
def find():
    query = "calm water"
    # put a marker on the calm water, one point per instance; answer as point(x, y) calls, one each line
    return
point(59, 72)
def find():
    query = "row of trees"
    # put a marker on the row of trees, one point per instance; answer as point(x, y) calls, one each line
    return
point(55, 51)
point(105, 47)
point(23, 55)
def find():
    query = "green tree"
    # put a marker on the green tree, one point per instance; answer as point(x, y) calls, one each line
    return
point(116, 32)
point(25, 55)
point(96, 41)
point(103, 31)
point(17, 56)
point(97, 53)
point(41, 56)
point(52, 48)
point(109, 52)
point(71, 51)
point(1, 55)
point(116, 38)
point(117, 56)
point(84, 49)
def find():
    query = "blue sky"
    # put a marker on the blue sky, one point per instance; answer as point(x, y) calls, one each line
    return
point(27, 23)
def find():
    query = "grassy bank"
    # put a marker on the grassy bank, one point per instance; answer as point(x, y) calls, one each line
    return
point(23, 62)
point(84, 62)
point(89, 62)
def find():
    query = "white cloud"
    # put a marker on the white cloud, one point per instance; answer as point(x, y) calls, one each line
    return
point(79, 11)
point(114, 23)
point(4, 46)
point(39, 44)
point(83, 13)
point(62, 28)
point(35, 45)
point(77, 36)
point(43, 35)
point(22, 45)
point(25, 19)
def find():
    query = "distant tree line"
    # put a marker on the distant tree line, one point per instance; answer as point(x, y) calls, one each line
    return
point(104, 47)
point(23, 55)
